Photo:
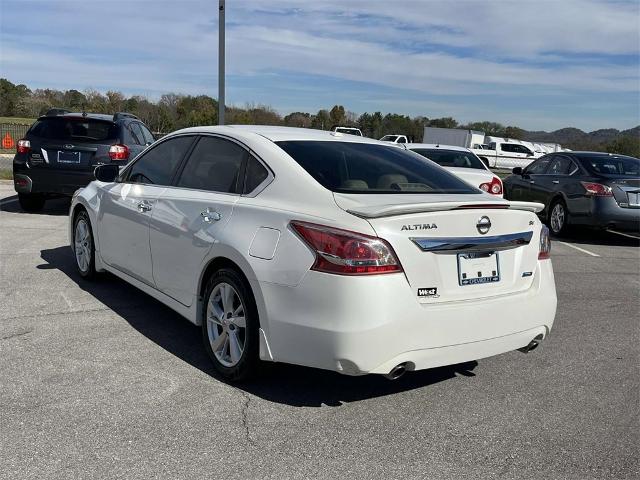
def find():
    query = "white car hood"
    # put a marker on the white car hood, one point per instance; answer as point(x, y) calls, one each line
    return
point(386, 205)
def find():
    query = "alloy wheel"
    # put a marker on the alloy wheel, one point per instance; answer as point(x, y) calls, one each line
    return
point(557, 218)
point(82, 244)
point(226, 324)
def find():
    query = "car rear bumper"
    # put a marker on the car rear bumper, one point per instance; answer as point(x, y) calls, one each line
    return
point(359, 325)
point(606, 213)
point(49, 181)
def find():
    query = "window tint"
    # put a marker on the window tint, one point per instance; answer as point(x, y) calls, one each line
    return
point(213, 165)
point(256, 174)
point(370, 168)
point(148, 136)
point(607, 164)
point(560, 166)
point(136, 133)
point(451, 158)
point(157, 166)
point(402, 140)
point(76, 129)
point(538, 167)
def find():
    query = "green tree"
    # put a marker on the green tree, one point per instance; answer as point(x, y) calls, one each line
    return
point(321, 120)
point(626, 145)
point(337, 115)
point(444, 122)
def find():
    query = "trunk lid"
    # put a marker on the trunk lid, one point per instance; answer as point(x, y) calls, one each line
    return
point(473, 176)
point(437, 239)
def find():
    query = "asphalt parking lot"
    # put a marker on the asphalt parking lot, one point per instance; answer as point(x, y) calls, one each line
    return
point(98, 380)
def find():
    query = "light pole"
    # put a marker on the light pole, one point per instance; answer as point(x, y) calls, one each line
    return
point(221, 62)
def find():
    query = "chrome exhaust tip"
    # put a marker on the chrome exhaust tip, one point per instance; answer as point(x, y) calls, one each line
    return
point(533, 344)
point(397, 371)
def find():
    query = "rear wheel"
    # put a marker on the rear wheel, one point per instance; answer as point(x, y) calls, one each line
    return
point(31, 202)
point(83, 246)
point(558, 217)
point(230, 326)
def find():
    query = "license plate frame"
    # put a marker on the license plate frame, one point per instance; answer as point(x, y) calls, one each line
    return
point(478, 268)
point(68, 157)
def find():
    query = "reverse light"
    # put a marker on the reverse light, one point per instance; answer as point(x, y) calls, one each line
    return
point(597, 189)
point(494, 187)
point(119, 152)
point(344, 252)
point(23, 146)
point(545, 244)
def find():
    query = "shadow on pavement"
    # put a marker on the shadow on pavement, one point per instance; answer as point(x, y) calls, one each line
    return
point(281, 383)
point(53, 206)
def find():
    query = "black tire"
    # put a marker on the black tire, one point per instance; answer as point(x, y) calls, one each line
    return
point(31, 202)
point(558, 217)
point(247, 365)
point(86, 270)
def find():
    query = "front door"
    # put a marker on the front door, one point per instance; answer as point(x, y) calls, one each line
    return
point(190, 215)
point(127, 206)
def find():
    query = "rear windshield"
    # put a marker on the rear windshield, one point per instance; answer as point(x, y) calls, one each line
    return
point(75, 129)
point(451, 158)
point(348, 167)
point(611, 164)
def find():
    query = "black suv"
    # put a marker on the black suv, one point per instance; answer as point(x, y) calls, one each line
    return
point(61, 149)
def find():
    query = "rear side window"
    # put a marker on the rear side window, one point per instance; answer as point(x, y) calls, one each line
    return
point(157, 165)
point(370, 168)
point(148, 136)
point(256, 174)
point(75, 129)
point(136, 132)
point(560, 166)
point(213, 165)
point(451, 158)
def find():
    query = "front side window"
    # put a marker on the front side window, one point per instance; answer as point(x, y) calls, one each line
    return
point(451, 158)
point(157, 165)
point(401, 140)
point(538, 167)
point(348, 167)
point(214, 165)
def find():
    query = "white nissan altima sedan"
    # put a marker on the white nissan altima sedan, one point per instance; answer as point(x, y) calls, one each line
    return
point(319, 249)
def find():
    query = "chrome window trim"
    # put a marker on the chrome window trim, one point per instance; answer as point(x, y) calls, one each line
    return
point(472, 244)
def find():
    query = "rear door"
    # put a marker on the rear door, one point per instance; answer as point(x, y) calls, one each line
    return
point(126, 207)
point(190, 215)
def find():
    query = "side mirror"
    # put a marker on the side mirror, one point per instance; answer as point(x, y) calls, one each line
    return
point(517, 171)
point(106, 173)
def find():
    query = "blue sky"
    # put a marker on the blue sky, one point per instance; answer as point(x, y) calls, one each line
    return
point(536, 64)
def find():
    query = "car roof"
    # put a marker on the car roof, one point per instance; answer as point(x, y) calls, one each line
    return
point(279, 134)
point(436, 146)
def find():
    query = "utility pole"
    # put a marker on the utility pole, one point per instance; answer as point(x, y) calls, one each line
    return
point(221, 62)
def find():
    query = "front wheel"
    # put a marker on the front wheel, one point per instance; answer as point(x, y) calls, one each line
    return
point(230, 326)
point(83, 246)
point(558, 217)
point(31, 202)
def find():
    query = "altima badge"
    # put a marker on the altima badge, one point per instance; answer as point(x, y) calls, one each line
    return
point(483, 225)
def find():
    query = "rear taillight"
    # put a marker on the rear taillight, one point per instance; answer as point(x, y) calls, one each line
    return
point(23, 146)
point(119, 152)
point(545, 244)
point(347, 253)
point(597, 189)
point(494, 187)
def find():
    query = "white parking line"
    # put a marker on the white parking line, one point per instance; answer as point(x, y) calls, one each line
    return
point(579, 249)
point(624, 234)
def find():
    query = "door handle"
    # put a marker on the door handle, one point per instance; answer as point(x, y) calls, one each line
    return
point(210, 216)
point(555, 181)
point(144, 207)
point(532, 181)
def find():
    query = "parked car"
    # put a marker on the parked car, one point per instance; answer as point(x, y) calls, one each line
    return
point(592, 189)
point(347, 130)
point(336, 252)
point(60, 151)
point(505, 154)
point(395, 139)
point(461, 162)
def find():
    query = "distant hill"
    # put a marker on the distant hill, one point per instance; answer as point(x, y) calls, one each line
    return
point(576, 139)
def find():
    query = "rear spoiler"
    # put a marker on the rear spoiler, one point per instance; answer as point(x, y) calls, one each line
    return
point(379, 211)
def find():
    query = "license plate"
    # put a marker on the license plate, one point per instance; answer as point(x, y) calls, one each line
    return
point(68, 157)
point(478, 267)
